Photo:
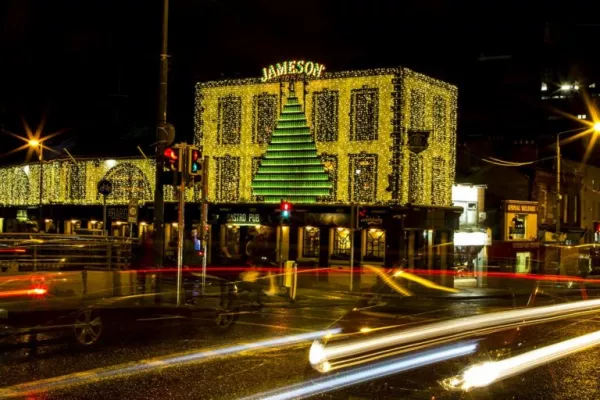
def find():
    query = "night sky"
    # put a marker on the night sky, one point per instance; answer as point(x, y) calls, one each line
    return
point(91, 67)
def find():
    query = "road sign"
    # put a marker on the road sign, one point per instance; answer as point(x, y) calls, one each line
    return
point(132, 212)
point(104, 187)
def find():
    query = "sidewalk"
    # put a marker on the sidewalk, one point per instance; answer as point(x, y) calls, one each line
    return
point(463, 294)
point(306, 298)
point(325, 297)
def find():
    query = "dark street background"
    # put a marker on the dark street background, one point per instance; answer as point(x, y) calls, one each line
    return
point(91, 68)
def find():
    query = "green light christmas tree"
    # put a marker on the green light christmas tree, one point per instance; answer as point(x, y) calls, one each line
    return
point(290, 169)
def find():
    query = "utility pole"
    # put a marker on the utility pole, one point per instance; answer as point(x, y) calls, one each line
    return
point(353, 224)
point(159, 201)
point(42, 224)
point(558, 195)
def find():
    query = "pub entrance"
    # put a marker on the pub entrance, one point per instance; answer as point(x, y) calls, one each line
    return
point(242, 238)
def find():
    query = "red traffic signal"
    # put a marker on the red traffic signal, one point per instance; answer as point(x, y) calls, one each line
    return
point(285, 209)
point(285, 206)
point(172, 156)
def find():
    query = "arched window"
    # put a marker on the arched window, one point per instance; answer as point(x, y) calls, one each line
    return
point(128, 182)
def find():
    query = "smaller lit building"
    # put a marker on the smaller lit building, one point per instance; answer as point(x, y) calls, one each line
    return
point(518, 249)
point(472, 237)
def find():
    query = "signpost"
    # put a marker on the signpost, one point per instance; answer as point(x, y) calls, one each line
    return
point(132, 215)
point(104, 188)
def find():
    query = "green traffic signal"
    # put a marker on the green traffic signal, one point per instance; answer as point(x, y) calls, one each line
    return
point(194, 162)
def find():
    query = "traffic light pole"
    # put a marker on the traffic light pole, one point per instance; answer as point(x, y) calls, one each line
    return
point(281, 277)
point(204, 219)
point(353, 224)
point(181, 222)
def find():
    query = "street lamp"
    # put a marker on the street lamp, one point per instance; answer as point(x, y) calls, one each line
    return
point(36, 144)
point(595, 129)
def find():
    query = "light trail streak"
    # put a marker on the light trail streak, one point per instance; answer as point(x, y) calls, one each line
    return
point(375, 371)
point(481, 375)
point(321, 356)
point(38, 291)
point(101, 374)
point(389, 281)
point(424, 282)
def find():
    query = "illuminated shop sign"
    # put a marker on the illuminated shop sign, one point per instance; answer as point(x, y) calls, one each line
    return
point(243, 218)
point(471, 239)
point(295, 67)
point(523, 208)
point(117, 213)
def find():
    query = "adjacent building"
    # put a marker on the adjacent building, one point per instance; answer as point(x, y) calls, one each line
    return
point(472, 238)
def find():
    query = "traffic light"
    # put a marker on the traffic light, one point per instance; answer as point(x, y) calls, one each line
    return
point(173, 158)
point(286, 210)
point(194, 163)
point(173, 163)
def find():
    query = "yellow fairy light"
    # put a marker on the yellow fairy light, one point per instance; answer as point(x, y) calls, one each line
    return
point(360, 121)
point(66, 182)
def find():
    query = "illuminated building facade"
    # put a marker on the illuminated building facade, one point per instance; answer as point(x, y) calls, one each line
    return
point(384, 136)
point(382, 140)
point(70, 196)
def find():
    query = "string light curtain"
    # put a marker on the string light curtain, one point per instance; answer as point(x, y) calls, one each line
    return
point(71, 183)
point(364, 110)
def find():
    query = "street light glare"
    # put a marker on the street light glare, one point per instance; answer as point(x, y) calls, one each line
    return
point(597, 127)
point(34, 142)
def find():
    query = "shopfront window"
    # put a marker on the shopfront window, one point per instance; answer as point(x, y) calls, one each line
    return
point(518, 226)
point(231, 242)
point(375, 249)
point(341, 243)
point(521, 220)
point(310, 242)
point(523, 263)
point(469, 214)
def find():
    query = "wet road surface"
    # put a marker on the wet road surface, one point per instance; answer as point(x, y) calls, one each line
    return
point(249, 372)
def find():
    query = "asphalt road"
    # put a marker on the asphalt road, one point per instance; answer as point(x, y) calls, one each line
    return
point(246, 372)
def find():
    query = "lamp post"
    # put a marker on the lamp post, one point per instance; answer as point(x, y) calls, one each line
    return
point(594, 129)
point(34, 143)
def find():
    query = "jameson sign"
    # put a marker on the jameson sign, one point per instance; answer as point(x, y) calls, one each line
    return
point(295, 67)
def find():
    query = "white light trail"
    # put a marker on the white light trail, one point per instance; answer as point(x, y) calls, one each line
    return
point(85, 377)
point(375, 371)
point(481, 375)
point(321, 356)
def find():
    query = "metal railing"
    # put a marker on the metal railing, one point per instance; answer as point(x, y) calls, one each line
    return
point(24, 252)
